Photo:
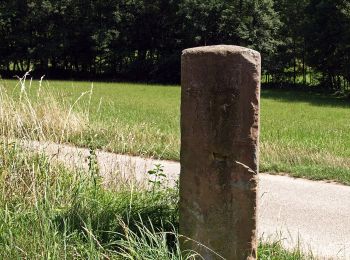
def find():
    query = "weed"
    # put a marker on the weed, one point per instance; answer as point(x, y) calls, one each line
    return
point(156, 176)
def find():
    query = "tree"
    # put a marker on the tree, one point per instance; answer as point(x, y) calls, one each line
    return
point(327, 39)
point(251, 23)
point(291, 50)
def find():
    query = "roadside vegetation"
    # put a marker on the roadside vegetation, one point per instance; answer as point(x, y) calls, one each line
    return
point(302, 134)
point(48, 211)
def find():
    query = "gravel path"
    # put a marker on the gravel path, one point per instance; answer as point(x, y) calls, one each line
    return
point(314, 215)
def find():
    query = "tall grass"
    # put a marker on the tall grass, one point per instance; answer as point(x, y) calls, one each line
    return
point(47, 211)
point(39, 115)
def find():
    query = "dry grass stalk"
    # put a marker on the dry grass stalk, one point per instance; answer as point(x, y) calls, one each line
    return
point(39, 115)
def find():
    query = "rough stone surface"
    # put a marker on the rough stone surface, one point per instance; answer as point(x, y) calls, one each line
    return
point(219, 150)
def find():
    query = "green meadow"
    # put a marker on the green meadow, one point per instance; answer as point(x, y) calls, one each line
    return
point(303, 134)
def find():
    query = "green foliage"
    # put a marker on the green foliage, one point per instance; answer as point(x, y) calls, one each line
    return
point(148, 243)
point(156, 176)
point(288, 62)
point(49, 212)
point(275, 251)
point(140, 40)
point(327, 40)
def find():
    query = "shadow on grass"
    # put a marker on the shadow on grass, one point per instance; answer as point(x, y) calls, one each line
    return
point(104, 212)
point(313, 97)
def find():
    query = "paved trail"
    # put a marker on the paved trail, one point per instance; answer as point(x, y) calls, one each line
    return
point(317, 214)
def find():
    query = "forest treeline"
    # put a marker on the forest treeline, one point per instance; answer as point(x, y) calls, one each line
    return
point(301, 42)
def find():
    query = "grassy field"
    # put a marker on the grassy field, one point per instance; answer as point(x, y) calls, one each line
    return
point(302, 134)
point(50, 212)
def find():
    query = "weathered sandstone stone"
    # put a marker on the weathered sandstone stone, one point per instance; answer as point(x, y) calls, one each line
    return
point(219, 150)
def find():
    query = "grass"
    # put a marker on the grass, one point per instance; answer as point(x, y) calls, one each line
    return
point(50, 212)
point(302, 134)
point(275, 251)
point(305, 135)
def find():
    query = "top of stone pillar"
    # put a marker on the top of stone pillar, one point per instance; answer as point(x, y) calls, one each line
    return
point(220, 50)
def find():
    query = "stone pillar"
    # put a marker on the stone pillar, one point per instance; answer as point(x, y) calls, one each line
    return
point(219, 150)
